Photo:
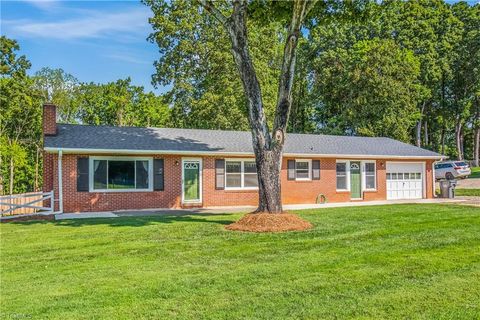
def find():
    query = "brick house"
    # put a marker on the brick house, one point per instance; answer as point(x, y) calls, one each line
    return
point(103, 168)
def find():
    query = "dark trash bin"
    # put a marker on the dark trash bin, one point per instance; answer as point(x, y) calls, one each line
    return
point(447, 188)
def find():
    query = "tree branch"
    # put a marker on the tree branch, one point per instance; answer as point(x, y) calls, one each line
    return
point(210, 7)
point(236, 27)
point(284, 98)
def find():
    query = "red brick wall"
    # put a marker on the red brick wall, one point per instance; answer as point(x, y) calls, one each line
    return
point(213, 197)
point(49, 119)
point(293, 192)
point(74, 201)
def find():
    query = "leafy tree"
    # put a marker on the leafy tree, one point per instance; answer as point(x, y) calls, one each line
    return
point(59, 88)
point(179, 26)
point(465, 84)
point(20, 122)
point(430, 30)
point(120, 103)
point(195, 59)
point(369, 90)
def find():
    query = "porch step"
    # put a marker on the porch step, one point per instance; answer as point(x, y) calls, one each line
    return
point(191, 205)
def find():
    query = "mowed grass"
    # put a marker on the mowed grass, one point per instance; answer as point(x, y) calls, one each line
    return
point(475, 173)
point(378, 262)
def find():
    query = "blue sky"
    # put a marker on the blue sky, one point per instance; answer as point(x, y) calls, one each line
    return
point(96, 41)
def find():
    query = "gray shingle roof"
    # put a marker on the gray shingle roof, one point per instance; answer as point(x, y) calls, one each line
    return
point(217, 141)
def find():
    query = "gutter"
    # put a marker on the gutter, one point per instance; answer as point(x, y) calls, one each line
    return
point(220, 153)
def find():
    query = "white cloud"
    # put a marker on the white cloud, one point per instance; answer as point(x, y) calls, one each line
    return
point(43, 4)
point(128, 58)
point(93, 25)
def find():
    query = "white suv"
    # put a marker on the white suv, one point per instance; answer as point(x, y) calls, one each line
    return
point(452, 170)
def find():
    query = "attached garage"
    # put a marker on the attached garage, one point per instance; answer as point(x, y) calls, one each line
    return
point(405, 180)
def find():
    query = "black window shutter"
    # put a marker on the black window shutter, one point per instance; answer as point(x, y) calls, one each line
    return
point(315, 169)
point(219, 174)
point(291, 169)
point(82, 174)
point(158, 175)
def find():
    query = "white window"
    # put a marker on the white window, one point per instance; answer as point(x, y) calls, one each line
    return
point(240, 174)
point(120, 174)
point(303, 169)
point(370, 176)
point(342, 175)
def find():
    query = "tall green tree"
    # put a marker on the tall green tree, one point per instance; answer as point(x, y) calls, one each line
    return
point(465, 83)
point(430, 30)
point(195, 59)
point(120, 103)
point(60, 88)
point(180, 24)
point(20, 122)
point(370, 90)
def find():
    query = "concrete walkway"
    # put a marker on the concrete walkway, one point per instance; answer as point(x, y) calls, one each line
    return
point(219, 210)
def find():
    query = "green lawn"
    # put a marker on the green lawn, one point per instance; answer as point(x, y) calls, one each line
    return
point(475, 173)
point(467, 192)
point(381, 262)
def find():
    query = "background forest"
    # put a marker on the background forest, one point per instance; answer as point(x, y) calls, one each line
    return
point(406, 70)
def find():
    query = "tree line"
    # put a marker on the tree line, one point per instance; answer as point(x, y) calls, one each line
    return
point(408, 70)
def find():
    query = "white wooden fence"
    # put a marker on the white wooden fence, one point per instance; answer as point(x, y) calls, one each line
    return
point(26, 203)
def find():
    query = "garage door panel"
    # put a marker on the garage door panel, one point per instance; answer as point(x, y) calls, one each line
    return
point(404, 180)
point(404, 167)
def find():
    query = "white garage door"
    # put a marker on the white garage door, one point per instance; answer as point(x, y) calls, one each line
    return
point(404, 180)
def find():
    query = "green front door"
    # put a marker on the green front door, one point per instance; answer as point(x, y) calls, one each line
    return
point(355, 180)
point(191, 181)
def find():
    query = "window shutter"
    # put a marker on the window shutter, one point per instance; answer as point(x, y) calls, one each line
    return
point(82, 174)
point(219, 174)
point(158, 175)
point(315, 169)
point(291, 169)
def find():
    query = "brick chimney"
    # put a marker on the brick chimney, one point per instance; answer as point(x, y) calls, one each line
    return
point(49, 119)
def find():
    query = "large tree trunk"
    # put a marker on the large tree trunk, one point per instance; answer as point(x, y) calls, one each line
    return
point(459, 139)
point(268, 147)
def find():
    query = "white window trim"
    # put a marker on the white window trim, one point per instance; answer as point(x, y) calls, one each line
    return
point(242, 174)
point(117, 158)
point(309, 161)
point(364, 176)
point(200, 186)
point(347, 172)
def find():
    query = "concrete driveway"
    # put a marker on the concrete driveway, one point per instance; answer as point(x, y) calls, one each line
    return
point(468, 184)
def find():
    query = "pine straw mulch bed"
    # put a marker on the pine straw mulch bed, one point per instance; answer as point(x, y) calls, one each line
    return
point(268, 222)
point(30, 217)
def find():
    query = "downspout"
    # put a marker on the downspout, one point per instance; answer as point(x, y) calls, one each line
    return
point(60, 183)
